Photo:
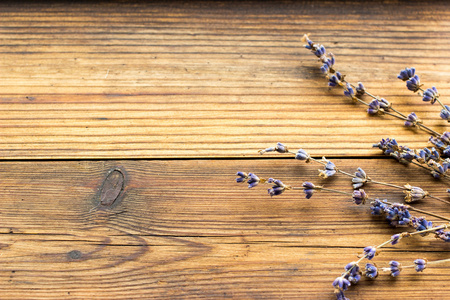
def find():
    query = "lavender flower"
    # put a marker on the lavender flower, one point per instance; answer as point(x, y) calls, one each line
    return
point(412, 120)
point(387, 145)
point(330, 169)
point(395, 268)
point(421, 264)
point(360, 179)
point(277, 189)
point(359, 196)
point(302, 155)
point(371, 271)
point(413, 84)
point(445, 137)
point(280, 148)
point(421, 224)
point(398, 215)
point(341, 284)
point(384, 104)
point(310, 45)
point(309, 188)
point(328, 64)
point(360, 89)
point(378, 207)
point(445, 113)
point(374, 107)
point(430, 95)
point(396, 238)
point(335, 79)
point(370, 252)
point(355, 274)
point(446, 151)
point(349, 92)
point(443, 235)
point(242, 177)
point(406, 74)
point(414, 193)
point(253, 181)
point(320, 52)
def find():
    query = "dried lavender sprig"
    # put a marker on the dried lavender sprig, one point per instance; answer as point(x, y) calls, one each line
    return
point(388, 106)
point(359, 196)
point(413, 84)
point(406, 155)
point(342, 282)
point(419, 265)
point(331, 167)
point(336, 79)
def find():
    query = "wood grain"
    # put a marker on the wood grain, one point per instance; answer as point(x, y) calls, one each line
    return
point(209, 79)
point(185, 229)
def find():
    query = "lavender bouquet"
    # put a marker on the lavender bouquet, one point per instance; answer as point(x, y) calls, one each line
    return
point(413, 221)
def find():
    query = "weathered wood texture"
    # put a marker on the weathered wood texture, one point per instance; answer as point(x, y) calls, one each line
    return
point(217, 79)
point(187, 230)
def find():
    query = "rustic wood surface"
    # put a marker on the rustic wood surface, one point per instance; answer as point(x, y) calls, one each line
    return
point(123, 123)
point(201, 79)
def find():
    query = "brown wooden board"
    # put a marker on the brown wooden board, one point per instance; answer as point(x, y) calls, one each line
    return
point(210, 79)
point(186, 229)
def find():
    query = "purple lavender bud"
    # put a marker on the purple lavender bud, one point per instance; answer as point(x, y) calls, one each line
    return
point(302, 155)
point(370, 252)
point(359, 179)
point(430, 95)
point(445, 113)
point(349, 92)
point(384, 104)
point(412, 119)
point(359, 196)
point(414, 193)
point(406, 74)
point(360, 89)
point(320, 52)
point(341, 283)
point(371, 271)
point(397, 215)
point(355, 273)
point(253, 181)
point(421, 224)
point(421, 264)
point(325, 68)
point(280, 148)
point(277, 189)
point(306, 39)
point(446, 151)
point(407, 156)
point(413, 84)
point(437, 142)
point(374, 107)
point(335, 79)
point(388, 146)
point(308, 188)
point(330, 169)
point(395, 268)
point(445, 137)
point(395, 238)
point(443, 235)
point(378, 207)
point(242, 176)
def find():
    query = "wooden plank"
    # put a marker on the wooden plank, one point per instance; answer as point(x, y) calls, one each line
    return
point(186, 229)
point(201, 79)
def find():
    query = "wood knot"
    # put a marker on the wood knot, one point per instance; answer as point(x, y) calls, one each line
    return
point(112, 188)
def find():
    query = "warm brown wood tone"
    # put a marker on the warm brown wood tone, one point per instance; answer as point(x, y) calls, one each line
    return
point(185, 229)
point(191, 88)
point(197, 79)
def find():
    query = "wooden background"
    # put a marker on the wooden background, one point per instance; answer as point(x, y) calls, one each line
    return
point(179, 96)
